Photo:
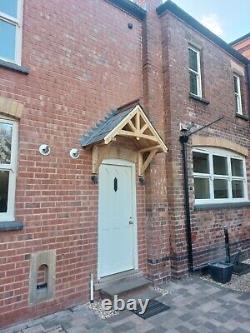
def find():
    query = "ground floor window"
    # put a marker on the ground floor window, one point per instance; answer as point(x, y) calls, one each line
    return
point(8, 155)
point(219, 176)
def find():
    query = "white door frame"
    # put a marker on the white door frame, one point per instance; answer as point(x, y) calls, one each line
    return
point(119, 162)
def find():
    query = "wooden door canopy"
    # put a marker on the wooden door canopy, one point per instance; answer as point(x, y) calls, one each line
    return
point(130, 125)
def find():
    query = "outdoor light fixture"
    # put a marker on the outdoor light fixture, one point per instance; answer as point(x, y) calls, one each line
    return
point(74, 153)
point(142, 180)
point(44, 150)
point(94, 178)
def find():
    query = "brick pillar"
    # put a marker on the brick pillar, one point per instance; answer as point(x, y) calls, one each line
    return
point(156, 182)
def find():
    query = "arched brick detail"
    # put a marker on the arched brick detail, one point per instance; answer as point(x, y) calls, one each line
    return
point(11, 107)
point(211, 141)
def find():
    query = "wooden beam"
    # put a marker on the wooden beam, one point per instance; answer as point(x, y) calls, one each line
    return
point(148, 160)
point(144, 150)
point(95, 153)
point(119, 127)
point(131, 125)
point(137, 121)
point(143, 129)
point(137, 135)
point(154, 132)
point(136, 130)
point(140, 164)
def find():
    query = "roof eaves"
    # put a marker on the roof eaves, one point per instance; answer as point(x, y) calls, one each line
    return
point(240, 39)
point(180, 13)
point(130, 7)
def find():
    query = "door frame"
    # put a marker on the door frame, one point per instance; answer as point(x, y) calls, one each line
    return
point(120, 162)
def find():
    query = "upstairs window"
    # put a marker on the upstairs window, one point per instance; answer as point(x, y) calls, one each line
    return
point(237, 94)
point(219, 176)
point(8, 157)
point(195, 87)
point(10, 30)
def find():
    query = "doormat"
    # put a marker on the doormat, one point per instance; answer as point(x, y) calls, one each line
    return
point(241, 269)
point(154, 308)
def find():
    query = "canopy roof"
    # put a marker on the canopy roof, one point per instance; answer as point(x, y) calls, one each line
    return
point(130, 122)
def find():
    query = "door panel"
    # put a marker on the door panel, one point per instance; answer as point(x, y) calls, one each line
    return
point(116, 233)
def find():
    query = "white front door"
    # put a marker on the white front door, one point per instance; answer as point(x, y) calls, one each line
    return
point(117, 222)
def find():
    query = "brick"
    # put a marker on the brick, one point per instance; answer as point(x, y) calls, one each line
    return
point(77, 76)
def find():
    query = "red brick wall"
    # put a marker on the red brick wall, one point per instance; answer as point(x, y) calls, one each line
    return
point(243, 47)
point(156, 178)
point(207, 226)
point(83, 61)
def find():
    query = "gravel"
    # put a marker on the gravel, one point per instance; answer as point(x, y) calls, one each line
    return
point(99, 310)
point(238, 283)
point(162, 290)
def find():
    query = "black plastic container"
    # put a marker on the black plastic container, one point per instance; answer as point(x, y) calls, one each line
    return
point(221, 272)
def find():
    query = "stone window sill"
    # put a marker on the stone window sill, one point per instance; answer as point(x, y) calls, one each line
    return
point(199, 99)
point(222, 206)
point(242, 116)
point(11, 226)
point(14, 67)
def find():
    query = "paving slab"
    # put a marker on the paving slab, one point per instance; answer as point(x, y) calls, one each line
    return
point(195, 306)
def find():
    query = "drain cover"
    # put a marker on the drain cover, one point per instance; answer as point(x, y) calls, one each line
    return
point(154, 308)
point(241, 268)
point(55, 329)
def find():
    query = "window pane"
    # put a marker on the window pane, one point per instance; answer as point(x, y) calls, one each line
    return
point(5, 143)
point(235, 84)
point(7, 40)
point(193, 60)
point(193, 81)
point(238, 189)
point(220, 189)
point(4, 186)
point(237, 167)
point(237, 104)
point(9, 7)
point(201, 162)
point(220, 165)
point(201, 187)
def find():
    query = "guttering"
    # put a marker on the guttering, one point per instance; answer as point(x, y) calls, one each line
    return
point(248, 83)
point(240, 39)
point(171, 7)
point(130, 7)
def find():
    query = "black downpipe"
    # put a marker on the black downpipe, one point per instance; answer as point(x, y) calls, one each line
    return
point(227, 246)
point(184, 141)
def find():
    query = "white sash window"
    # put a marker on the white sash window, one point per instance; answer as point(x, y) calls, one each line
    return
point(195, 85)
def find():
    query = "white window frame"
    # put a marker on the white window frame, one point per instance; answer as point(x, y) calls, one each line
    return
point(197, 73)
point(18, 22)
point(211, 176)
point(12, 168)
point(237, 94)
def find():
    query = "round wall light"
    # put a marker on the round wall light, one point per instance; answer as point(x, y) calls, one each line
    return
point(44, 150)
point(74, 153)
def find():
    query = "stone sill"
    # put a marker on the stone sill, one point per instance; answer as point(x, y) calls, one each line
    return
point(222, 206)
point(199, 99)
point(242, 116)
point(14, 67)
point(11, 226)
